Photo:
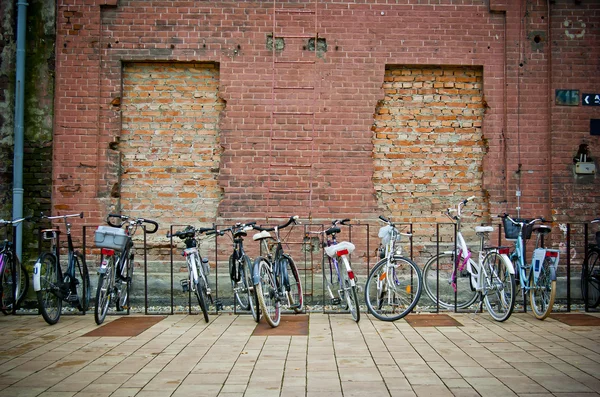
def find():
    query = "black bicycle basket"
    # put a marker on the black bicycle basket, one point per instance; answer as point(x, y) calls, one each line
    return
point(511, 231)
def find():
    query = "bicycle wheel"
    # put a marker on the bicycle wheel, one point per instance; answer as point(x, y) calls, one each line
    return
point(351, 296)
point(239, 284)
point(249, 287)
point(8, 292)
point(590, 278)
point(542, 293)
point(104, 290)
point(499, 287)
point(50, 305)
point(267, 293)
point(83, 283)
point(443, 264)
point(393, 291)
point(123, 283)
point(294, 289)
point(202, 297)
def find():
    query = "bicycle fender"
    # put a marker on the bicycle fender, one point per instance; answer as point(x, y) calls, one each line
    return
point(508, 263)
point(255, 271)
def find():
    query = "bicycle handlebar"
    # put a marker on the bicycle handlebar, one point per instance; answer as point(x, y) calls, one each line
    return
point(293, 219)
point(191, 231)
point(523, 222)
point(15, 221)
point(139, 221)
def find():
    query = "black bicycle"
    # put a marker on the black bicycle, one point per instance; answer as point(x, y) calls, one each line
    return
point(198, 268)
point(590, 273)
point(115, 274)
point(15, 279)
point(275, 275)
point(240, 270)
point(51, 285)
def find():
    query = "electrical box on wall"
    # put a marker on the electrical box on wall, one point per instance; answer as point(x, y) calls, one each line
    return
point(585, 168)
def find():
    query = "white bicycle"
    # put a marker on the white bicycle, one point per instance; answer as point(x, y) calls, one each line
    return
point(455, 281)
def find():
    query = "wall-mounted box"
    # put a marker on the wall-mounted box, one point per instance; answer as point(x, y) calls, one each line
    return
point(582, 168)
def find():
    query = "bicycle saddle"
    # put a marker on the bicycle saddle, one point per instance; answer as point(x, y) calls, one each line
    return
point(343, 248)
point(542, 229)
point(261, 235)
point(484, 229)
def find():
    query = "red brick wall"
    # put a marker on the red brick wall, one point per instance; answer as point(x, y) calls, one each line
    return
point(362, 37)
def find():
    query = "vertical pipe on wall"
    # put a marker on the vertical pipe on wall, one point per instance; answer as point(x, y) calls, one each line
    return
point(549, 104)
point(19, 117)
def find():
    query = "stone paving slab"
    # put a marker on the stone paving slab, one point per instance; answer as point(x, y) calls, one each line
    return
point(184, 356)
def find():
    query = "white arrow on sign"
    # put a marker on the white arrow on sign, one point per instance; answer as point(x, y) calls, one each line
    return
point(586, 99)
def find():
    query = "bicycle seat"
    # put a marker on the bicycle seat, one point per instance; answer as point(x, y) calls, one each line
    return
point(343, 248)
point(484, 229)
point(542, 229)
point(261, 235)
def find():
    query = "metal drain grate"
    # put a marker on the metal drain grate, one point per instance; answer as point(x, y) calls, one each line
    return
point(432, 320)
point(126, 326)
point(292, 325)
point(576, 319)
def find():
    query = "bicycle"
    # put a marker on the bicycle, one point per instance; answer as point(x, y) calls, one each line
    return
point(394, 285)
point(240, 270)
point(590, 273)
point(198, 268)
point(115, 274)
point(275, 275)
point(454, 280)
point(539, 276)
point(15, 279)
point(51, 285)
point(343, 281)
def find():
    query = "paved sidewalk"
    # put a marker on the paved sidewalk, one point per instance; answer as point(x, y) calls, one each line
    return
point(183, 356)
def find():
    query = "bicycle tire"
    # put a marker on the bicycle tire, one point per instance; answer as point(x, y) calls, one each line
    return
point(202, 298)
point(590, 278)
point(465, 296)
point(240, 288)
point(294, 289)
point(542, 295)
point(49, 304)
point(257, 314)
point(500, 287)
point(83, 283)
point(267, 293)
point(391, 306)
point(104, 291)
point(351, 296)
point(22, 277)
point(123, 283)
point(249, 287)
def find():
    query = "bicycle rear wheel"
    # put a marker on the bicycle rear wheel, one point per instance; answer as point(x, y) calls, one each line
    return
point(21, 278)
point(50, 305)
point(351, 296)
point(104, 290)
point(294, 292)
point(440, 267)
point(83, 282)
point(123, 283)
point(267, 293)
point(393, 291)
point(590, 278)
point(499, 287)
point(542, 294)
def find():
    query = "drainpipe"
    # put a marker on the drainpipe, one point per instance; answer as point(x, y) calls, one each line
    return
point(19, 134)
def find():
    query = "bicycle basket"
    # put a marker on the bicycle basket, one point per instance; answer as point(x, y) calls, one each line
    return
point(511, 231)
point(111, 237)
point(385, 234)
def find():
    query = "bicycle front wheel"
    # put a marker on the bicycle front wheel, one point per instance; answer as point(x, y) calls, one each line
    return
point(239, 285)
point(123, 283)
point(351, 296)
point(22, 283)
point(104, 289)
point(202, 297)
point(590, 278)
point(266, 289)
point(50, 305)
point(498, 287)
point(542, 293)
point(294, 289)
point(82, 283)
point(437, 282)
point(249, 287)
point(393, 290)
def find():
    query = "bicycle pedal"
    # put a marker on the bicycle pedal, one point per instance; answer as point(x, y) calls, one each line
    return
point(218, 304)
point(336, 301)
point(185, 285)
